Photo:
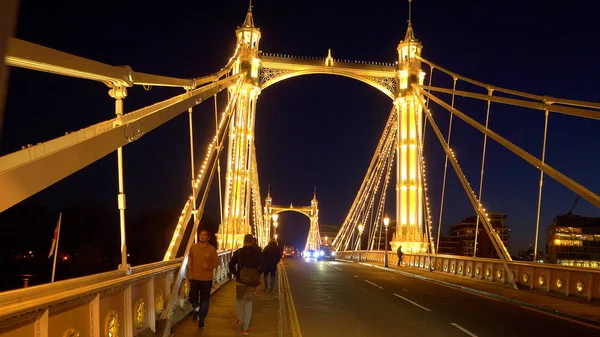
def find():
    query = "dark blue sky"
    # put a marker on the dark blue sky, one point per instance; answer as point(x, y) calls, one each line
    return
point(320, 130)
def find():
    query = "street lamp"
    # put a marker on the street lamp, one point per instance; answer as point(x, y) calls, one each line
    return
point(386, 223)
point(326, 238)
point(360, 231)
point(275, 217)
point(275, 236)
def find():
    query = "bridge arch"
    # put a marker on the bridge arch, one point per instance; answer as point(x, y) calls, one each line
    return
point(384, 84)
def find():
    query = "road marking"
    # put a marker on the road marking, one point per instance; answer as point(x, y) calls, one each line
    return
point(561, 317)
point(335, 267)
point(464, 330)
point(356, 276)
point(373, 284)
point(411, 302)
point(404, 290)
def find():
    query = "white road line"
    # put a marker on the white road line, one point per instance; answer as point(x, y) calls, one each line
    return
point(335, 267)
point(464, 330)
point(356, 276)
point(373, 284)
point(411, 302)
point(404, 290)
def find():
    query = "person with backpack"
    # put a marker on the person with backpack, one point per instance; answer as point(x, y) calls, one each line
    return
point(245, 264)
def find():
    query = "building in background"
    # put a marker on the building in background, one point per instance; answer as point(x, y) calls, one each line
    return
point(574, 240)
point(461, 237)
point(528, 255)
point(328, 233)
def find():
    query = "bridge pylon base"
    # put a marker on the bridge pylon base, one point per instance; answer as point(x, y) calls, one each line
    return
point(230, 241)
point(410, 246)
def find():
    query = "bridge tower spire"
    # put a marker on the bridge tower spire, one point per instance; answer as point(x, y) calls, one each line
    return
point(237, 217)
point(409, 172)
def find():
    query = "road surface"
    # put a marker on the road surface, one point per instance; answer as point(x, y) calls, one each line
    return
point(347, 299)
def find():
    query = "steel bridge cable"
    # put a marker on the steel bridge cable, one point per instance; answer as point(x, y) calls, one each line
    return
point(539, 205)
point(542, 106)
point(547, 99)
point(381, 168)
point(343, 232)
point(487, 122)
point(497, 243)
point(375, 182)
point(445, 171)
point(166, 315)
point(219, 164)
point(590, 196)
point(383, 196)
point(359, 207)
point(431, 69)
point(181, 226)
point(495, 239)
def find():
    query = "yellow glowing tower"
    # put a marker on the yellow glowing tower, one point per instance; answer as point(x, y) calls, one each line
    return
point(237, 199)
point(409, 173)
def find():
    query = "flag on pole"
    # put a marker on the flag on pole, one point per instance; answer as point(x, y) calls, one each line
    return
point(55, 238)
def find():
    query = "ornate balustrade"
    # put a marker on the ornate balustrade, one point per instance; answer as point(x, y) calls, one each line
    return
point(568, 281)
point(106, 304)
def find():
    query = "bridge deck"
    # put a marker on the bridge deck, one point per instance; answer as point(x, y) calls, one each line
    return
point(222, 317)
point(351, 299)
point(577, 307)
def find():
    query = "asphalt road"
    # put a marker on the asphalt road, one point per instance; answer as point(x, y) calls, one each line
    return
point(348, 299)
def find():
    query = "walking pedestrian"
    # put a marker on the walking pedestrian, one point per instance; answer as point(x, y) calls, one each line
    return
point(203, 259)
point(245, 264)
point(399, 252)
point(271, 257)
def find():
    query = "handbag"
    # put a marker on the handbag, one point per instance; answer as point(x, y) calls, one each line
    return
point(248, 276)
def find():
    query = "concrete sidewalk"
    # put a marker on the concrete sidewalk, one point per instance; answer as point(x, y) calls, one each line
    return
point(583, 312)
point(222, 318)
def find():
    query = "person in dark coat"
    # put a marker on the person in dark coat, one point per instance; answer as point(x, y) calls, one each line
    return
point(245, 257)
point(399, 252)
point(271, 257)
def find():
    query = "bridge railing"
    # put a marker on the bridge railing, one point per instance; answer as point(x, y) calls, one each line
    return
point(568, 281)
point(105, 304)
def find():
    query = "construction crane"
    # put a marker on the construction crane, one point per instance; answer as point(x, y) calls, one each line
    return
point(570, 212)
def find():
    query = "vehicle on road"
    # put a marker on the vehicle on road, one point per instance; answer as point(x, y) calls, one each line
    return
point(289, 252)
point(326, 254)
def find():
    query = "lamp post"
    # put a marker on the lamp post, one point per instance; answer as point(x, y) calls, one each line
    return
point(360, 231)
point(386, 223)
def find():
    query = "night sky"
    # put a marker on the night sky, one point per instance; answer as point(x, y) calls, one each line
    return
point(319, 130)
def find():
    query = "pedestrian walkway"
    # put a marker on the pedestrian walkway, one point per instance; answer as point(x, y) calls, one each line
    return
point(222, 315)
point(562, 307)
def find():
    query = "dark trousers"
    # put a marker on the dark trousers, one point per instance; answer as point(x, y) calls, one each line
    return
point(270, 270)
point(201, 288)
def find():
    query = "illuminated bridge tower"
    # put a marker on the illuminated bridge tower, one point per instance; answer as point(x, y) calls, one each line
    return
point(409, 173)
point(237, 200)
point(314, 237)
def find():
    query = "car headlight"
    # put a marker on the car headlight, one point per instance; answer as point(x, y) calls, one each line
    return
point(322, 253)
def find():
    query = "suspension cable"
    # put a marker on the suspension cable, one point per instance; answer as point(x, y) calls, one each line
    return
point(494, 237)
point(437, 246)
point(344, 230)
point(539, 206)
point(431, 69)
point(590, 196)
point(357, 213)
point(219, 165)
point(487, 121)
point(548, 99)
